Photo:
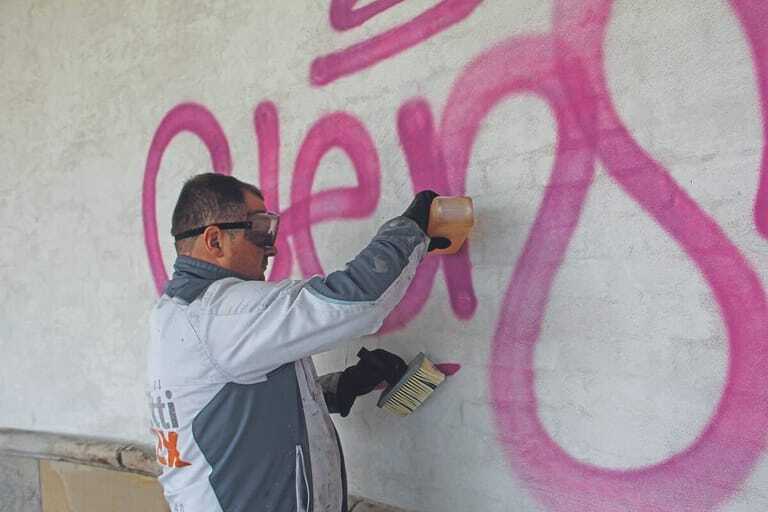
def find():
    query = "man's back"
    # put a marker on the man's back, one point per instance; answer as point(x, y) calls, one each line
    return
point(239, 418)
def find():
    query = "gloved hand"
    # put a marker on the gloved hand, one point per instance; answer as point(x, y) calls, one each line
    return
point(374, 367)
point(418, 211)
point(391, 367)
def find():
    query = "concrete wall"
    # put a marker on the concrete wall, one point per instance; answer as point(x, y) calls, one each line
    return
point(609, 314)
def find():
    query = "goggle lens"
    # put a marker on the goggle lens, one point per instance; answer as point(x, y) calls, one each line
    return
point(263, 231)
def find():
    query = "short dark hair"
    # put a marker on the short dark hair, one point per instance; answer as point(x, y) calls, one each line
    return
point(206, 199)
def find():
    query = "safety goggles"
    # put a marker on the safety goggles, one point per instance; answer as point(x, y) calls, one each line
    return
point(260, 229)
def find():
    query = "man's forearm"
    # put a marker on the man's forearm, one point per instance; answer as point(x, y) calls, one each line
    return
point(376, 267)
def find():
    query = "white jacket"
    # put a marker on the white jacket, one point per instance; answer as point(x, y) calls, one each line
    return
point(238, 417)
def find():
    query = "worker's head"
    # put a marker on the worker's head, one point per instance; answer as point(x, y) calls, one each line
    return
point(222, 220)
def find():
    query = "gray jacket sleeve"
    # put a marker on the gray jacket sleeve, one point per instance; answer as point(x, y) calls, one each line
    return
point(252, 327)
point(376, 268)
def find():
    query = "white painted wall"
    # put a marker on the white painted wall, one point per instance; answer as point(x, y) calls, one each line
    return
point(633, 354)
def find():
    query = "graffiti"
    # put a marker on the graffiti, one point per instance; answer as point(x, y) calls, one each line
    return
point(362, 55)
point(183, 118)
point(753, 15)
point(715, 464)
point(337, 130)
point(345, 16)
point(565, 68)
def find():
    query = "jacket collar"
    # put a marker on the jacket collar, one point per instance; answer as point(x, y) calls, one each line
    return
point(191, 277)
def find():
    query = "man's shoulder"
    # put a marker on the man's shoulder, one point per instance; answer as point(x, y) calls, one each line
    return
point(232, 295)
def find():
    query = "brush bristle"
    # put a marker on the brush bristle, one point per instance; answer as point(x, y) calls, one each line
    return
point(415, 387)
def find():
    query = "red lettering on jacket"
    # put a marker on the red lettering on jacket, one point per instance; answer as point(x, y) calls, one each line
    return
point(167, 451)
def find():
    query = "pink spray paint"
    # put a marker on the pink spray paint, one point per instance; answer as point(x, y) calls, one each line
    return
point(711, 469)
point(348, 134)
point(333, 66)
point(345, 16)
point(449, 369)
point(753, 15)
point(188, 117)
point(266, 126)
point(427, 169)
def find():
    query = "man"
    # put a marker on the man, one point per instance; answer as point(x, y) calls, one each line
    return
point(240, 418)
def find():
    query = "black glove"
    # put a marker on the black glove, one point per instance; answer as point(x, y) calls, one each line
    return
point(389, 366)
point(418, 211)
point(374, 367)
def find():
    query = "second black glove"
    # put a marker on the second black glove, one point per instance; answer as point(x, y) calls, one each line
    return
point(374, 367)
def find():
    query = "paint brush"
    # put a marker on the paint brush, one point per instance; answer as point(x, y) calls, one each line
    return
point(411, 388)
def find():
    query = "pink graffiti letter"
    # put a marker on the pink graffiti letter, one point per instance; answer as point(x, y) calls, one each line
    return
point(713, 467)
point(189, 117)
point(362, 55)
point(345, 132)
point(424, 156)
point(344, 15)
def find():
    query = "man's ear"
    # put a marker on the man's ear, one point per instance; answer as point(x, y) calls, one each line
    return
point(212, 240)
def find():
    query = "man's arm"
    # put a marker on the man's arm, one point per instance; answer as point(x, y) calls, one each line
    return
point(251, 327)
